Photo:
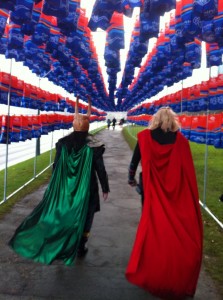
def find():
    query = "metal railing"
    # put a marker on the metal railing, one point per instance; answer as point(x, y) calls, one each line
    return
point(12, 154)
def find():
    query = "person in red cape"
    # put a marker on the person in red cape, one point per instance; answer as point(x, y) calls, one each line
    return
point(167, 252)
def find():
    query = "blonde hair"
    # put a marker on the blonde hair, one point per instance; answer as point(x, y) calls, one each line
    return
point(166, 119)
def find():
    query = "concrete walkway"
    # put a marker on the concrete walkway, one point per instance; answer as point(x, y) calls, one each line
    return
point(100, 276)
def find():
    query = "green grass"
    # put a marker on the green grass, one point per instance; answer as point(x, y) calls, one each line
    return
point(213, 234)
point(19, 174)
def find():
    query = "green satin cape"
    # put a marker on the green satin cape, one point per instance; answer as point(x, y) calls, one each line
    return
point(54, 228)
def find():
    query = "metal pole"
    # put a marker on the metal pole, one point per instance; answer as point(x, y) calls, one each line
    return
point(38, 113)
point(7, 136)
point(211, 214)
point(51, 150)
point(205, 162)
point(25, 184)
point(38, 139)
point(181, 101)
point(206, 154)
point(37, 150)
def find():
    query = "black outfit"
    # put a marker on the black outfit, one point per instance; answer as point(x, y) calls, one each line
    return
point(76, 140)
point(158, 135)
point(108, 123)
point(113, 123)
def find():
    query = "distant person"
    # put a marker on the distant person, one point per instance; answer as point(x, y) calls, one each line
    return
point(59, 227)
point(121, 122)
point(108, 123)
point(114, 123)
point(167, 252)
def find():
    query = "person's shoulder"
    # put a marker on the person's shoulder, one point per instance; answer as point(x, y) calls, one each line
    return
point(93, 142)
point(143, 132)
point(96, 145)
point(65, 139)
point(182, 138)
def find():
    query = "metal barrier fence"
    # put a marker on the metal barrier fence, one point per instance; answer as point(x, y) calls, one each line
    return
point(15, 153)
point(208, 163)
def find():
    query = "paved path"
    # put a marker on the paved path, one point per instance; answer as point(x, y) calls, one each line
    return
point(100, 276)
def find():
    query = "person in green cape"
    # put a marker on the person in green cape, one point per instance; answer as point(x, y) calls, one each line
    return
point(59, 227)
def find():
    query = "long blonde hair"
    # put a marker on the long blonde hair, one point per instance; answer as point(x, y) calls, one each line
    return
point(166, 119)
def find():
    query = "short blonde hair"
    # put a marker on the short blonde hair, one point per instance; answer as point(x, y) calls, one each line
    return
point(166, 119)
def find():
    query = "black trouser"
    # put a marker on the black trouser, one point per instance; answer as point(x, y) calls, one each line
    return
point(87, 225)
point(89, 219)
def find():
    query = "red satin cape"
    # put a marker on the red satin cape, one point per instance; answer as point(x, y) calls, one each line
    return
point(167, 252)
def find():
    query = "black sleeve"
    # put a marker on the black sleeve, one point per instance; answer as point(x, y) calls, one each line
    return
point(100, 169)
point(57, 155)
point(136, 157)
